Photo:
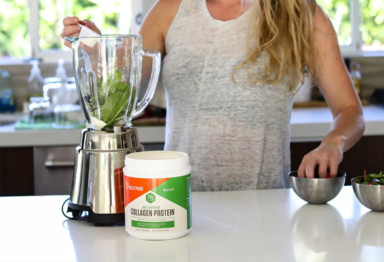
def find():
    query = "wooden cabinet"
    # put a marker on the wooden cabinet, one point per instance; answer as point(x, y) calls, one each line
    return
point(16, 171)
point(53, 169)
point(367, 154)
point(17, 164)
point(54, 165)
point(24, 170)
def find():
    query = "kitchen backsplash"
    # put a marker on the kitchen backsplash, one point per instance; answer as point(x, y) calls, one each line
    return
point(372, 70)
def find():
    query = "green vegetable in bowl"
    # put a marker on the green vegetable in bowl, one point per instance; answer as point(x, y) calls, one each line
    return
point(371, 179)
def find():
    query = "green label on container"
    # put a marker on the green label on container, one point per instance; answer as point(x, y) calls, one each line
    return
point(177, 190)
point(158, 204)
point(143, 224)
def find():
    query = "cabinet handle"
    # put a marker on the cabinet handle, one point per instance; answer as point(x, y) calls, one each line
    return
point(53, 163)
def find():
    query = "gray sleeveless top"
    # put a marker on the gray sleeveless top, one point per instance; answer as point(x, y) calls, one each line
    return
point(236, 134)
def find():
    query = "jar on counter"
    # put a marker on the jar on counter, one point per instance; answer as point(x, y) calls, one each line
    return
point(157, 194)
point(39, 110)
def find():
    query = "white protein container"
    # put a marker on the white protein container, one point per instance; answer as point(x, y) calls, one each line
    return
point(157, 194)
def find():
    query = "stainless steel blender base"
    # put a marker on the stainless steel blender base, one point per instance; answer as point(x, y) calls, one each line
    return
point(97, 185)
point(98, 219)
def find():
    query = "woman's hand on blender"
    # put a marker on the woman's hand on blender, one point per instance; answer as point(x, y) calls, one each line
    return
point(72, 27)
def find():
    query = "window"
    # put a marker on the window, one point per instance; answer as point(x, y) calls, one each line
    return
point(359, 25)
point(372, 26)
point(14, 38)
point(31, 28)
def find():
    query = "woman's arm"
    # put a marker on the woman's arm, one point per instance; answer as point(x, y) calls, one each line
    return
point(154, 31)
point(333, 79)
point(156, 24)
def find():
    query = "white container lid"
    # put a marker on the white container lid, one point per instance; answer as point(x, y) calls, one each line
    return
point(156, 162)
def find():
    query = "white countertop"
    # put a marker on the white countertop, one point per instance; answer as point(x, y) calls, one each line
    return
point(312, 124)
point(9, 137)
point(307, 124)
point(260, 225)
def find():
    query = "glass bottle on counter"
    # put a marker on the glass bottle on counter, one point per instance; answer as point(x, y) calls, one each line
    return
point(7, 96)
point(61, 72)
point(67, 112)
point(35, 81)
point(356, 77)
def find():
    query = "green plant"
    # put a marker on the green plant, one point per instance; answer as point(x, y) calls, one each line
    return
point(371, 179)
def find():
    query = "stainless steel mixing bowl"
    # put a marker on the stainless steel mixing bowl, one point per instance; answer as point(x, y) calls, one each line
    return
point(370, 196)
point(317, 190)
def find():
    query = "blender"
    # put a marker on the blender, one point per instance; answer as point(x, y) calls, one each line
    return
point(108, 74)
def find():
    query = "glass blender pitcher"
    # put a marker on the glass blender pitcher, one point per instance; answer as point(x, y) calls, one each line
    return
point(108, 75)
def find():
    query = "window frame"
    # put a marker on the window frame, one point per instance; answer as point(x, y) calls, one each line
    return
point(356, 47)
point(357, 42)
point(36, 52)
point(353, 50)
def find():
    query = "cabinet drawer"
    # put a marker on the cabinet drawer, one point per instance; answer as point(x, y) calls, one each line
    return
point(53, 169)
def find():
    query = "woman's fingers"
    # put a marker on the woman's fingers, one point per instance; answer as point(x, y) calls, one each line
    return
point(70, 20)
point(323, 166)
point(323, 161)
point(310, 166)
point(333, 167)
point(307, 166)
point(71, 28)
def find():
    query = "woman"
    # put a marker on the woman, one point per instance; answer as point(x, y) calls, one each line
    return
point(230, 70)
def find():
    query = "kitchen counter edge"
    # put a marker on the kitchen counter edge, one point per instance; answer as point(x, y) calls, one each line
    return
point(307, 125)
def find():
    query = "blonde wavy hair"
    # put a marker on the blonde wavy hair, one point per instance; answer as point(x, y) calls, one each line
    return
point(284, 30)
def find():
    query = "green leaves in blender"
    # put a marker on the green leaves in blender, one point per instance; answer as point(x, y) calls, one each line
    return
point(113, 97)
